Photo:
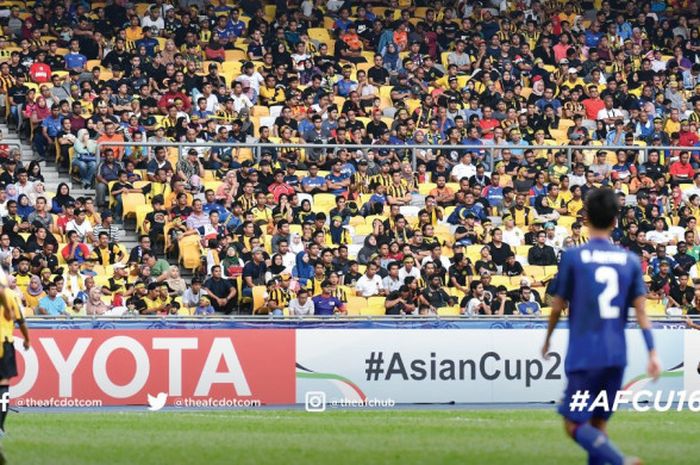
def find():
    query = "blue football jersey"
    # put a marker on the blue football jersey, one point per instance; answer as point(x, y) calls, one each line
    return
point(600, 281)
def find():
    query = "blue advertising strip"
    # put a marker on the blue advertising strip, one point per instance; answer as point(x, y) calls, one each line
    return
point(194, 323)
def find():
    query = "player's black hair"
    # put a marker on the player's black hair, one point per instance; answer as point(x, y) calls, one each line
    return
point(602, 207)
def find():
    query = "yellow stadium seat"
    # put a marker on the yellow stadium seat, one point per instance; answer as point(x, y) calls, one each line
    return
point(363, 229)
point(213, 185)
point(535, 271)
point(522, 250)
point(550, 271)
point(258, 297)
point(318, 33)
point(375, 307)
point(355, 220)
point(449, 311)
point(235, 55)
point(566, 221)
point(355, 304)
point(190, 252)
point(426, 187)
point(500, 281)
point(546, 311)
point(323, 202)
point(130, 201)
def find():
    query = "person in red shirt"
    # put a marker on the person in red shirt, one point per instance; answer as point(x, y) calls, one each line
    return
point(40, 72)
point(687, 138)
point(488, 123)
point(593, 104)
point(279, 187)
point(682, 170)
point(171, 95)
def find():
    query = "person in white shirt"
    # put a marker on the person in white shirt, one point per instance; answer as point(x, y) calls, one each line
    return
point(512, 235)
point(392, 282)
point(301, 305)
point(658, 235)
point(251, 79)
point(370, 284)
point(240, 100)
point(464, 169)
point(609, 114)
point(154, 20)
point(695, 190)
point(409, 269)
point(80, 225)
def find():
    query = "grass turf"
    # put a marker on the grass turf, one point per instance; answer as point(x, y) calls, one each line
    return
point(282, 437)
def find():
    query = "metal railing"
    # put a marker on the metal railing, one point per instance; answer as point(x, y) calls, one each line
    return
point(317, 319)
point(488, 154)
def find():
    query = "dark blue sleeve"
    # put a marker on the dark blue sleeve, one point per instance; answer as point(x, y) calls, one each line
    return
point(564, 282)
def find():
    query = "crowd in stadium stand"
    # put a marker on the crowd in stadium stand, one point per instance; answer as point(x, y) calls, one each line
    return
point(348, 229)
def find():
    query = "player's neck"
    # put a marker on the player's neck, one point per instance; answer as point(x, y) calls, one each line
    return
point(601, 234)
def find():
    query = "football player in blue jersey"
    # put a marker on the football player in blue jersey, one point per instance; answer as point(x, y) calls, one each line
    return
point(599, 282)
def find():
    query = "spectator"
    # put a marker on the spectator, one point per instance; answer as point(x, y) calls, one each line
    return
point(540, 253)
point(326, 304)
point(220, 291)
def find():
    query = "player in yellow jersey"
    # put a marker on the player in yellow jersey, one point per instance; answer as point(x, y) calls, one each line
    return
point(10, 315)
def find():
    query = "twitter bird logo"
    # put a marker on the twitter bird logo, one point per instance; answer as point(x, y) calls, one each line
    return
point(158, 402)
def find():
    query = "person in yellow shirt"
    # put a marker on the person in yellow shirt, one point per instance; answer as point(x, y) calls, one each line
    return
point(673, 123)
point(271, 93)
point(10, 315)
point(134, 31)
point(574, 205)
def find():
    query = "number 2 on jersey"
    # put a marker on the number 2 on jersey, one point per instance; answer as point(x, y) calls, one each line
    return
point(608, 275)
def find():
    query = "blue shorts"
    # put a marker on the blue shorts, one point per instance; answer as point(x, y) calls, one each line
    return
point(594, 381)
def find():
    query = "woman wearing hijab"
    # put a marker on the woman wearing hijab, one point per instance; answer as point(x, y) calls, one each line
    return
point(368, 249)
point(85, 157)
point(11, 192)
point(95, 306)
point(339, 234)
point(61, 198)
point(175, 282)
point(296, 245)
point(35, 292)
point(280, 56)
point(24, 207)
point(276, 267)
point(303, 269)
point(392, 61)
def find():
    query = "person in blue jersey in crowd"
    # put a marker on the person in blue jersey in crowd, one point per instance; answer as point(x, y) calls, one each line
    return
point(599, 282)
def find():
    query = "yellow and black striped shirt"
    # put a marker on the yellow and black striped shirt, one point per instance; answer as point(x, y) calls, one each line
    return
point(281, 296)
point(246, 202)
point(227, 116)
point(340, 294)
point(397, 191)
point(384, 180)
point(361, 183)
point(6, 82)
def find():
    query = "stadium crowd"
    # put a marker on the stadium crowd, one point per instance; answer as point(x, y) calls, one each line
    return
point(474, 228)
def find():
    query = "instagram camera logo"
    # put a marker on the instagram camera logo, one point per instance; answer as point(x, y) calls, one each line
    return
point(158, 402)
point(315, 402)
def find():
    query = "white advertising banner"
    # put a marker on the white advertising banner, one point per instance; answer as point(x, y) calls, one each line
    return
point(692, 361)
point(456, 365)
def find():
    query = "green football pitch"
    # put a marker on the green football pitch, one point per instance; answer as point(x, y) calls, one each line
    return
point(280, 437)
